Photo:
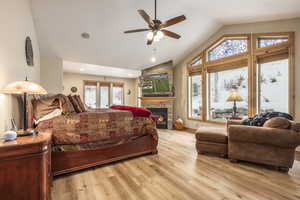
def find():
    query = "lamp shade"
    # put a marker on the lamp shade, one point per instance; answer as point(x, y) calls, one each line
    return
point(234, 96)
point(21, 87)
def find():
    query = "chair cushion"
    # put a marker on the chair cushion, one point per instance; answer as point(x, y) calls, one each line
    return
point(209, 134)
point(278, 122)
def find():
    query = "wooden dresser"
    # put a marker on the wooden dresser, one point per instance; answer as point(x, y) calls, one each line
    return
point(25, 168)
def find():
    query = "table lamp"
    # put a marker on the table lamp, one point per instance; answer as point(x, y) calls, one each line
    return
point(234, 96)
point(24, 87)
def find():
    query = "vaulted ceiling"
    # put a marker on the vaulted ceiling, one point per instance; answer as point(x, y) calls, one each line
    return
point(59, 25)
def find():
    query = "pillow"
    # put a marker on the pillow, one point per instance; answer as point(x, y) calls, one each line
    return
point(278, 122)
point(65, 104)
point(44, 106)
point(81, 104)
point(75, 103)
point(54, 113)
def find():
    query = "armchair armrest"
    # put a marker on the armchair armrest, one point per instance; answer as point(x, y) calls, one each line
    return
point(260, 135)
point(232, 122)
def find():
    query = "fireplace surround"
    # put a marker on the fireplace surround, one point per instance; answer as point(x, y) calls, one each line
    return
point(158, 103)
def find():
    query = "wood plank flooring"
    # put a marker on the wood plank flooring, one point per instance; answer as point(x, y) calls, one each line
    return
point(177, 172)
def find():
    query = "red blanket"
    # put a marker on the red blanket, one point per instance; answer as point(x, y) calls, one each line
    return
point(136, 111)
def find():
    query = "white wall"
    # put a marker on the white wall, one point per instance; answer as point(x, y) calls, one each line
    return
point(72, 79)
point(262, 27)
point(16, 23)
point(52, 74)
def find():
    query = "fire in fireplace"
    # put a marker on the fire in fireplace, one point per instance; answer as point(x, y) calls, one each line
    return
point(162, 115)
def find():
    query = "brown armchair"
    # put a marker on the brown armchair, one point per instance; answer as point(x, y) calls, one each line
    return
point(271, 146)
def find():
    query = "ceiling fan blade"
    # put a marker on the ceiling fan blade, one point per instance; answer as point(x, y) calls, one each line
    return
point(146, 17)
point(171, 34)
point(173, 21)
point(137, 30)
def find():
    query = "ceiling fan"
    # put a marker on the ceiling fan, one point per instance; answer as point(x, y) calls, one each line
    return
point(156, 27)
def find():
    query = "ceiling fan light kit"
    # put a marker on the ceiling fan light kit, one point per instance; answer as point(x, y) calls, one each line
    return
point(156, 27)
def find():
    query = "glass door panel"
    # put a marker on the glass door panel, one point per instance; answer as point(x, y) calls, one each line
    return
point(104, 96)
point(90, 92)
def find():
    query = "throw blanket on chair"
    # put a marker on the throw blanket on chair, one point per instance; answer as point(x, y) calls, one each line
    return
point(260, 119)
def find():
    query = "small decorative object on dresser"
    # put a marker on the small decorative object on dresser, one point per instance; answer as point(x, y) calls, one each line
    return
point(10, 135)
point(25, 169)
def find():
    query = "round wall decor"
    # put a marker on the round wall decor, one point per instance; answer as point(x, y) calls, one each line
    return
point(29, 52)
point(74, 89)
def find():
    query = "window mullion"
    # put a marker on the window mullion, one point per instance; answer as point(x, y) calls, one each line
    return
point(204, 99)
point(98, 94)
point(252, 77)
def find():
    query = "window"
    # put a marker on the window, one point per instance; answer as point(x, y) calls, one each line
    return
point(117, 95)
point(259, 76)
point(195, 94)
point(268, 41)
point(228, 47)
point(103, 94)
point(220, 84)
point(273, 80)
point(90, 93)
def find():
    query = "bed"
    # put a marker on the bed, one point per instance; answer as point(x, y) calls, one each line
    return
point(95, 137)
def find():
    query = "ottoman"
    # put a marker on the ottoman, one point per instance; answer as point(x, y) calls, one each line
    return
point(212, 140)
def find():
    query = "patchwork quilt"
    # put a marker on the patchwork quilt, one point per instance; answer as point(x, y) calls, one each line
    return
point(97, 127)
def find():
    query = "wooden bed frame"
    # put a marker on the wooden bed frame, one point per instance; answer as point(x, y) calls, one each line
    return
point(69, 161)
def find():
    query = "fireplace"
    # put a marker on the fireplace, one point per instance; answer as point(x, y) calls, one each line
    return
point(162, 114)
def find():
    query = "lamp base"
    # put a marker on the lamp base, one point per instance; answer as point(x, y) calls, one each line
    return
point(27, 132)
point(234, 110)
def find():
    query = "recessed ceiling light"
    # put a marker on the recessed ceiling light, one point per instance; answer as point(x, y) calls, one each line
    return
point(85, 35)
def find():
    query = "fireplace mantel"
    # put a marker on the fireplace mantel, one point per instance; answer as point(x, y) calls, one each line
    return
point(157, 100)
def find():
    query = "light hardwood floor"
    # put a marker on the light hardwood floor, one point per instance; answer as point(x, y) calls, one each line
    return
point(177, 172)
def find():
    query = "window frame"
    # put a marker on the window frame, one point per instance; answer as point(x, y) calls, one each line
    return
point(98, 90)
point(250, 58)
